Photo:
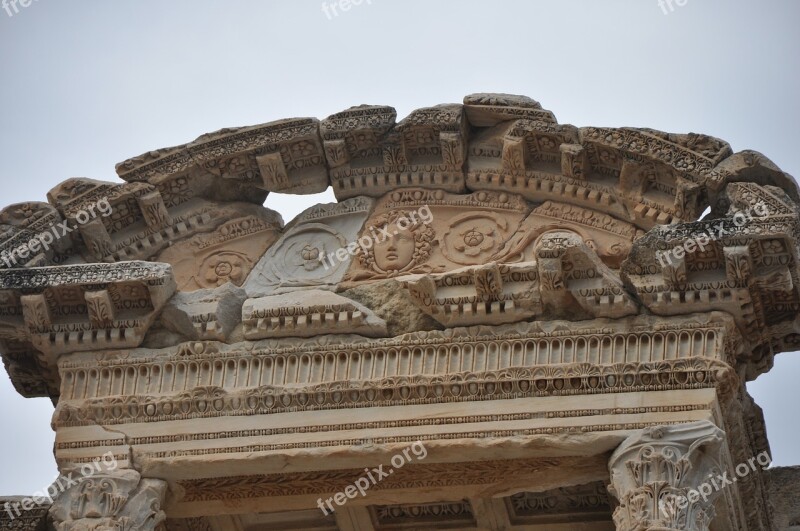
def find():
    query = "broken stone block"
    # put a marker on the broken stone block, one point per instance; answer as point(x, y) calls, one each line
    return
point(308, 313)
point(205, 314)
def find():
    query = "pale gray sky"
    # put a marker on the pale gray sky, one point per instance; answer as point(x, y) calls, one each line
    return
point(89, 83)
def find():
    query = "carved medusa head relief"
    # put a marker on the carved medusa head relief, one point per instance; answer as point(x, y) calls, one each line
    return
point(400, 243)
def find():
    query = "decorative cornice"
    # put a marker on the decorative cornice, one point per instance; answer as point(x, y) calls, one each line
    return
point(576, 379)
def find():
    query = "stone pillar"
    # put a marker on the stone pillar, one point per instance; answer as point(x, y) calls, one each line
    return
point(665, 478)
point(118, 500)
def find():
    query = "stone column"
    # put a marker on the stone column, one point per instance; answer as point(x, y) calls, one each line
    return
point(118, 500)
point(665, 478)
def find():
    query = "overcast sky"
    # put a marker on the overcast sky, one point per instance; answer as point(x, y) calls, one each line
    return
point(89, 83)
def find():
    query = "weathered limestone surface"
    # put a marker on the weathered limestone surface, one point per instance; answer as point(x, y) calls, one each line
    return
point(119, 500)
point(32, 519)
point(307, 313)
point(205, 314)
point(537, 306)
point(784, 495)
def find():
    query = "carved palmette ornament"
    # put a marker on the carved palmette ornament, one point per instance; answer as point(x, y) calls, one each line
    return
point(109, 501)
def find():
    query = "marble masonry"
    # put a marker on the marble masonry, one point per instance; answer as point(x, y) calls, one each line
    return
point(563, 318)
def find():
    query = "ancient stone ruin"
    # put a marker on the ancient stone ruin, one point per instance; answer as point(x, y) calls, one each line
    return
point(503, 323)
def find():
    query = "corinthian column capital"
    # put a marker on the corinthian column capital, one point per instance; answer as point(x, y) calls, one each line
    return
point(657, 474)
point(110, 501)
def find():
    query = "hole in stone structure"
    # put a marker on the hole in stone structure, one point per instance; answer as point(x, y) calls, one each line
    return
point(289, 206)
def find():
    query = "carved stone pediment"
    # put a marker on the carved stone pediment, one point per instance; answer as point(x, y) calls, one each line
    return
point(523, 297)
point(227, 254)
point(430, 231)
point(607, 236)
